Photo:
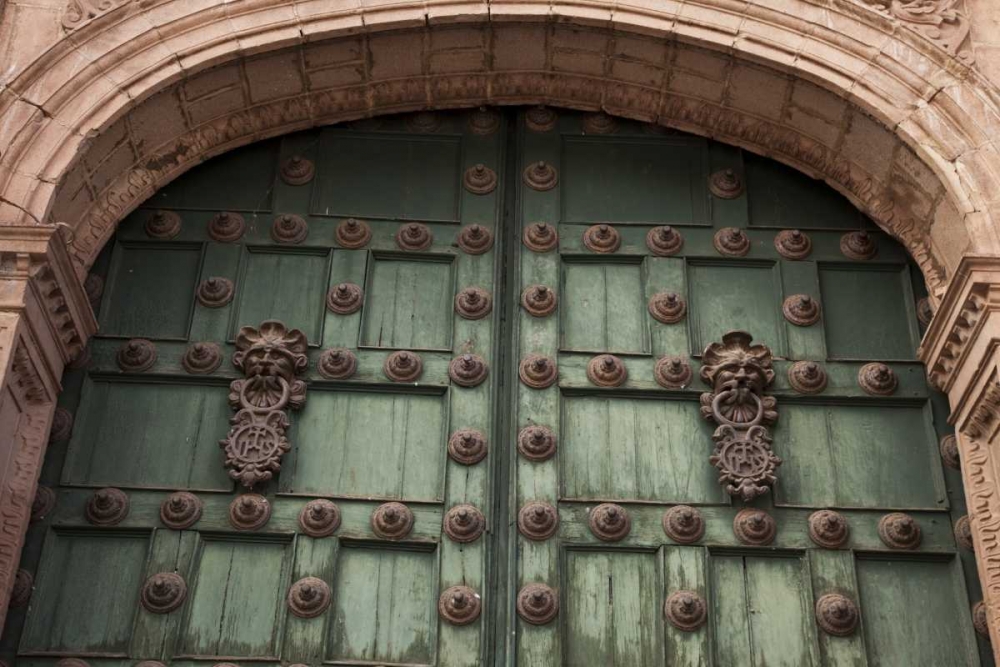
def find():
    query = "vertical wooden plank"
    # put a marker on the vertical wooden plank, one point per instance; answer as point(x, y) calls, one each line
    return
point(782, 626)
point(347, 266)
point(804, 342)
point(685, 570)
point(221, 261)
point(666, 274)
point(833, 572)
point(730, 611)
point(304, 637)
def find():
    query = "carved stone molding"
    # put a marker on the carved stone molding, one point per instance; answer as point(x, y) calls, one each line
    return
point(80, 12)
point(270, 357)
point(940, 21)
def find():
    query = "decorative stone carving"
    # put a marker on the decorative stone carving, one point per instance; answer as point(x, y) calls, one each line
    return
point(475, 239)
point(163, 225)
point(683, 524)
point(107, 507)
point(484, 121)
point(93, 285)
point(44, 502)
point(226, 227)
point(877, 379)
point(392, 521)
point(181, 510)
point(344, 299)
point(686, 610)
point(414, 236)
point(937, 20)
point(538, 521)
point(609, 522)
point(403, 366)
point(949, 452)
point(297, 170)
point(980, 619)
point(538, 372)
point(963, 532)
point(807, 377)
point(62, 425)
point(24, 583)
point(309, 597)
point(270, 357)
point(464, 523)
point(353, 233)
point(607, 370)
point(672, 372)
point(202, 358)
point(425, 122)
point(540, 176)
point(479, 179)
point(837, 615)
point(468, 370)
point(664, 241)
point(319, 518)
point(537, 604)
point(602, 238)
point(249, 512)
point(77, 13)
point(467, 446)
point(828, 529)
point(738, 373)
point(899, 531)
point(215, 292)
point(540, 118)
point(801, 310)
point(136, 355)
point(731, 241)
point(540, 237)
point(858, 245)
point(459, 605)
point(667, 307)
point(538, 300)
point(725, 184)
point(290, 229)
point(793, 244)
point(536, 443)
point(473, 303)
point(337, 363)
point(599, 123)
point(754, 527)
point(163, 593)
point(943, 358)
point(925, 311)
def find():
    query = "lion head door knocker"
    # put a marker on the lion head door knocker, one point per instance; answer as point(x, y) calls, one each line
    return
point(270, 358)
point(738, 373)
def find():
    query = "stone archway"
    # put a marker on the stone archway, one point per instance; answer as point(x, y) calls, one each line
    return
point(135, 95)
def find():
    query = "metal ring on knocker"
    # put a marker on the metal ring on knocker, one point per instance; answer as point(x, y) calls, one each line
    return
point(722, 419)
point(286, 393)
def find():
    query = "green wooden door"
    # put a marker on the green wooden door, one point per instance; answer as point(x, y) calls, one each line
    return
point(454, 486)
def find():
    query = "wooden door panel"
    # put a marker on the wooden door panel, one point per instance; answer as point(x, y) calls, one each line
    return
point(603, 309)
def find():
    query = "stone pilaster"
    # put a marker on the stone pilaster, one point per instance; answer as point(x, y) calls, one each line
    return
point(45, 320)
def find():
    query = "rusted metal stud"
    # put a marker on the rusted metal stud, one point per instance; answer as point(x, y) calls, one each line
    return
point(667, 307)
point(297, 170)
point(672, 372)
point(480, 179)
point(837, 615)
point(793, 244)
point(536, 443)
point(475, 239)
point(467, 446)
point(725, 184)
point(215, 292)
point(43, 503)
point(226, 227)
point(107, 507)
point(319, 518)
point(136, 355)
point(801, 310)
point(899, 531)
point(414, 236)
point(731, 241)
point(93, 285)
point(540, 237)
point(473, 303)
point(77, 662)
point(163, 593)
point(980, 619)
point(610, 522)
point(62, 425)
point(202, 358)
point(156, 663)
point(468, 370)
point(460, 605)
point(754, 527)
point(537, 604)
point(540, 118)
point(807, 377)
point(392, 521)
point(20, 593)
point(309, 597)
point(484, 121)
point(181, 510)
point(163, 225)
point(538, 372)
point(949, 452)
point(538, 521)
point(289, 228)
point(828, 529)
point(425, 122)
point(683, 524)
point(664, 241)
point(352, 233)
point(337, 363)
point(249, 511)
point(540, 176)
point(877, 379)
point(925, 311)
point(963, 532)
point(599, 123)
point(538, 300)
point(344, 299)
point(464, 523)
point(602, 238)
point(607, 370)
point(403, 366)
point(686, 610)
point(858, 245)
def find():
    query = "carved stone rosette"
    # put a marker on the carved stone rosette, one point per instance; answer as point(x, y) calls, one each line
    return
point(683, 524)
point(540, 237)
point(270, 358)
point(754, 527)
point(738, 373)
point(163, 593)
point(537, 604)
point(610, 522)
point(473, 303)
point(672, 372)
point(464, 523)
point(180, 510)
point(686, 610)
point(538, 521)
point(536, 443)
point(319, 518)
point(828, 529)
point(467, 446)
point(309, 597)
point(352, 233)
point(475, 239)
point(392, 521)
point(837, 614)
point(460, 605)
